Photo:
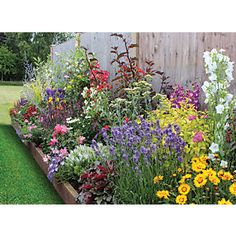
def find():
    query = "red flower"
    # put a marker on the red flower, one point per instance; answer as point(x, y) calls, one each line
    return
point(101, 168)
point(106, 127)
point(86, 186)
point(126, 119)
point(84, 176)
point(100, 176)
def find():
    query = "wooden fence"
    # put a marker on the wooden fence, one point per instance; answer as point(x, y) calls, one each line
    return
point(179, 55)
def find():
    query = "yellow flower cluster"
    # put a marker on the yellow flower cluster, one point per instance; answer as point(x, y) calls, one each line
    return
point(201, 184)
point(163, 194)
point(224, 202)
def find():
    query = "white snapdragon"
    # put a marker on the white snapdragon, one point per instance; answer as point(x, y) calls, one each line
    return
point(220, 103)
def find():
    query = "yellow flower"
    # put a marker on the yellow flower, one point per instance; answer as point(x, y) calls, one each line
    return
point(163, 194)
point(157, 179)
point(195, 159)
point(198, 166)
point(200, 180)
point(187, 176)
point(224, 202)
point(181, 199)
point(174, 175)
point(49, 99)
point(203, 159)
point(214, 179)
point(232, 188)
point(209, 172)
point(57, 99)
point(184, 189)
point(227, 176)
point(220, 173)
point(179, 170)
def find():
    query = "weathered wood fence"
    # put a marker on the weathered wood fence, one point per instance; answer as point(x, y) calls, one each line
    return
point(179, 55)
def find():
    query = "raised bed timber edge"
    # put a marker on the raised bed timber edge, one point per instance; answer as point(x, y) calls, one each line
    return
point(65, 190)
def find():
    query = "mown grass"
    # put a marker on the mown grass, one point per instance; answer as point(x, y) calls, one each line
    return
point(21, 180)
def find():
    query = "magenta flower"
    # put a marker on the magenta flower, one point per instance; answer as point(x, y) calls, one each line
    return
point(190, 118)
point(198, 137)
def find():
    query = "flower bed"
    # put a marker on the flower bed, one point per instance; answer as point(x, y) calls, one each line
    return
point(120, 142)
point(65, 190)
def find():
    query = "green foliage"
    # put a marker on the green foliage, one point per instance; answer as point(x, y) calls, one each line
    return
point(7, 62)
point(31, 45)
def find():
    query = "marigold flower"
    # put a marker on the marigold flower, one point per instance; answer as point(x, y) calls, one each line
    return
point(187, 176)
point(181, 199)
point(232, 189)
point(209, 172)
point(198, 166)
point(157, 179)
point(227, 176)
point(214, 179)
point(184, 189)
point(224, 202)
point(220, 173)
point(200, 180)
point(163, 194)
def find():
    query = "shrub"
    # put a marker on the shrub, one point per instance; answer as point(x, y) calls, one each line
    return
point(193, 124)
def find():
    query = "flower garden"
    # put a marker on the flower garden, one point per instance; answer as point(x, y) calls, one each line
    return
point(117, 141)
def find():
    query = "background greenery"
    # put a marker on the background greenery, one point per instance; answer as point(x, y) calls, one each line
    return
point(16, 48)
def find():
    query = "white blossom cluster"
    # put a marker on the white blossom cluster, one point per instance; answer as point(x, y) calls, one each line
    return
point(220, 102)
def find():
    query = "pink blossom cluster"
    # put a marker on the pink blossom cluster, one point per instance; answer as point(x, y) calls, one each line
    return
point(181, 95)
point(58, 129)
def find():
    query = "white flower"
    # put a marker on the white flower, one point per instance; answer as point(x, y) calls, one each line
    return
point(212, 77)
point(205, 86)
point(222, 50)
point(229, 97)
point(223, 164)
point(211, 157)
point(214, 147)
point(219, 109)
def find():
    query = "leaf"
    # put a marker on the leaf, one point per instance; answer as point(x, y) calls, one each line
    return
point(133, 45)
point(121, 55)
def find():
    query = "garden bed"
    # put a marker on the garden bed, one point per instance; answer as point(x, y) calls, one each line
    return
point(65, 190)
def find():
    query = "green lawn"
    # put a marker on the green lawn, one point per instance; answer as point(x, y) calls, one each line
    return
point(21, 180)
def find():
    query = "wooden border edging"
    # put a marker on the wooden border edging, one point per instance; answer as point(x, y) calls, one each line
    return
point(65, 190)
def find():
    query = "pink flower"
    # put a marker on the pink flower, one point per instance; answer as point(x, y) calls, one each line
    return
point(81, 139)
point(192, 118)
point(198, 137)
point(32, 127)
point(63, 151)
point(26, 121)
point(53, 141)
point(60, 129)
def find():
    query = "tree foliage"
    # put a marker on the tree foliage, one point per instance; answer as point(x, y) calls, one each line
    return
point(29, 46)
point(7, 62)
